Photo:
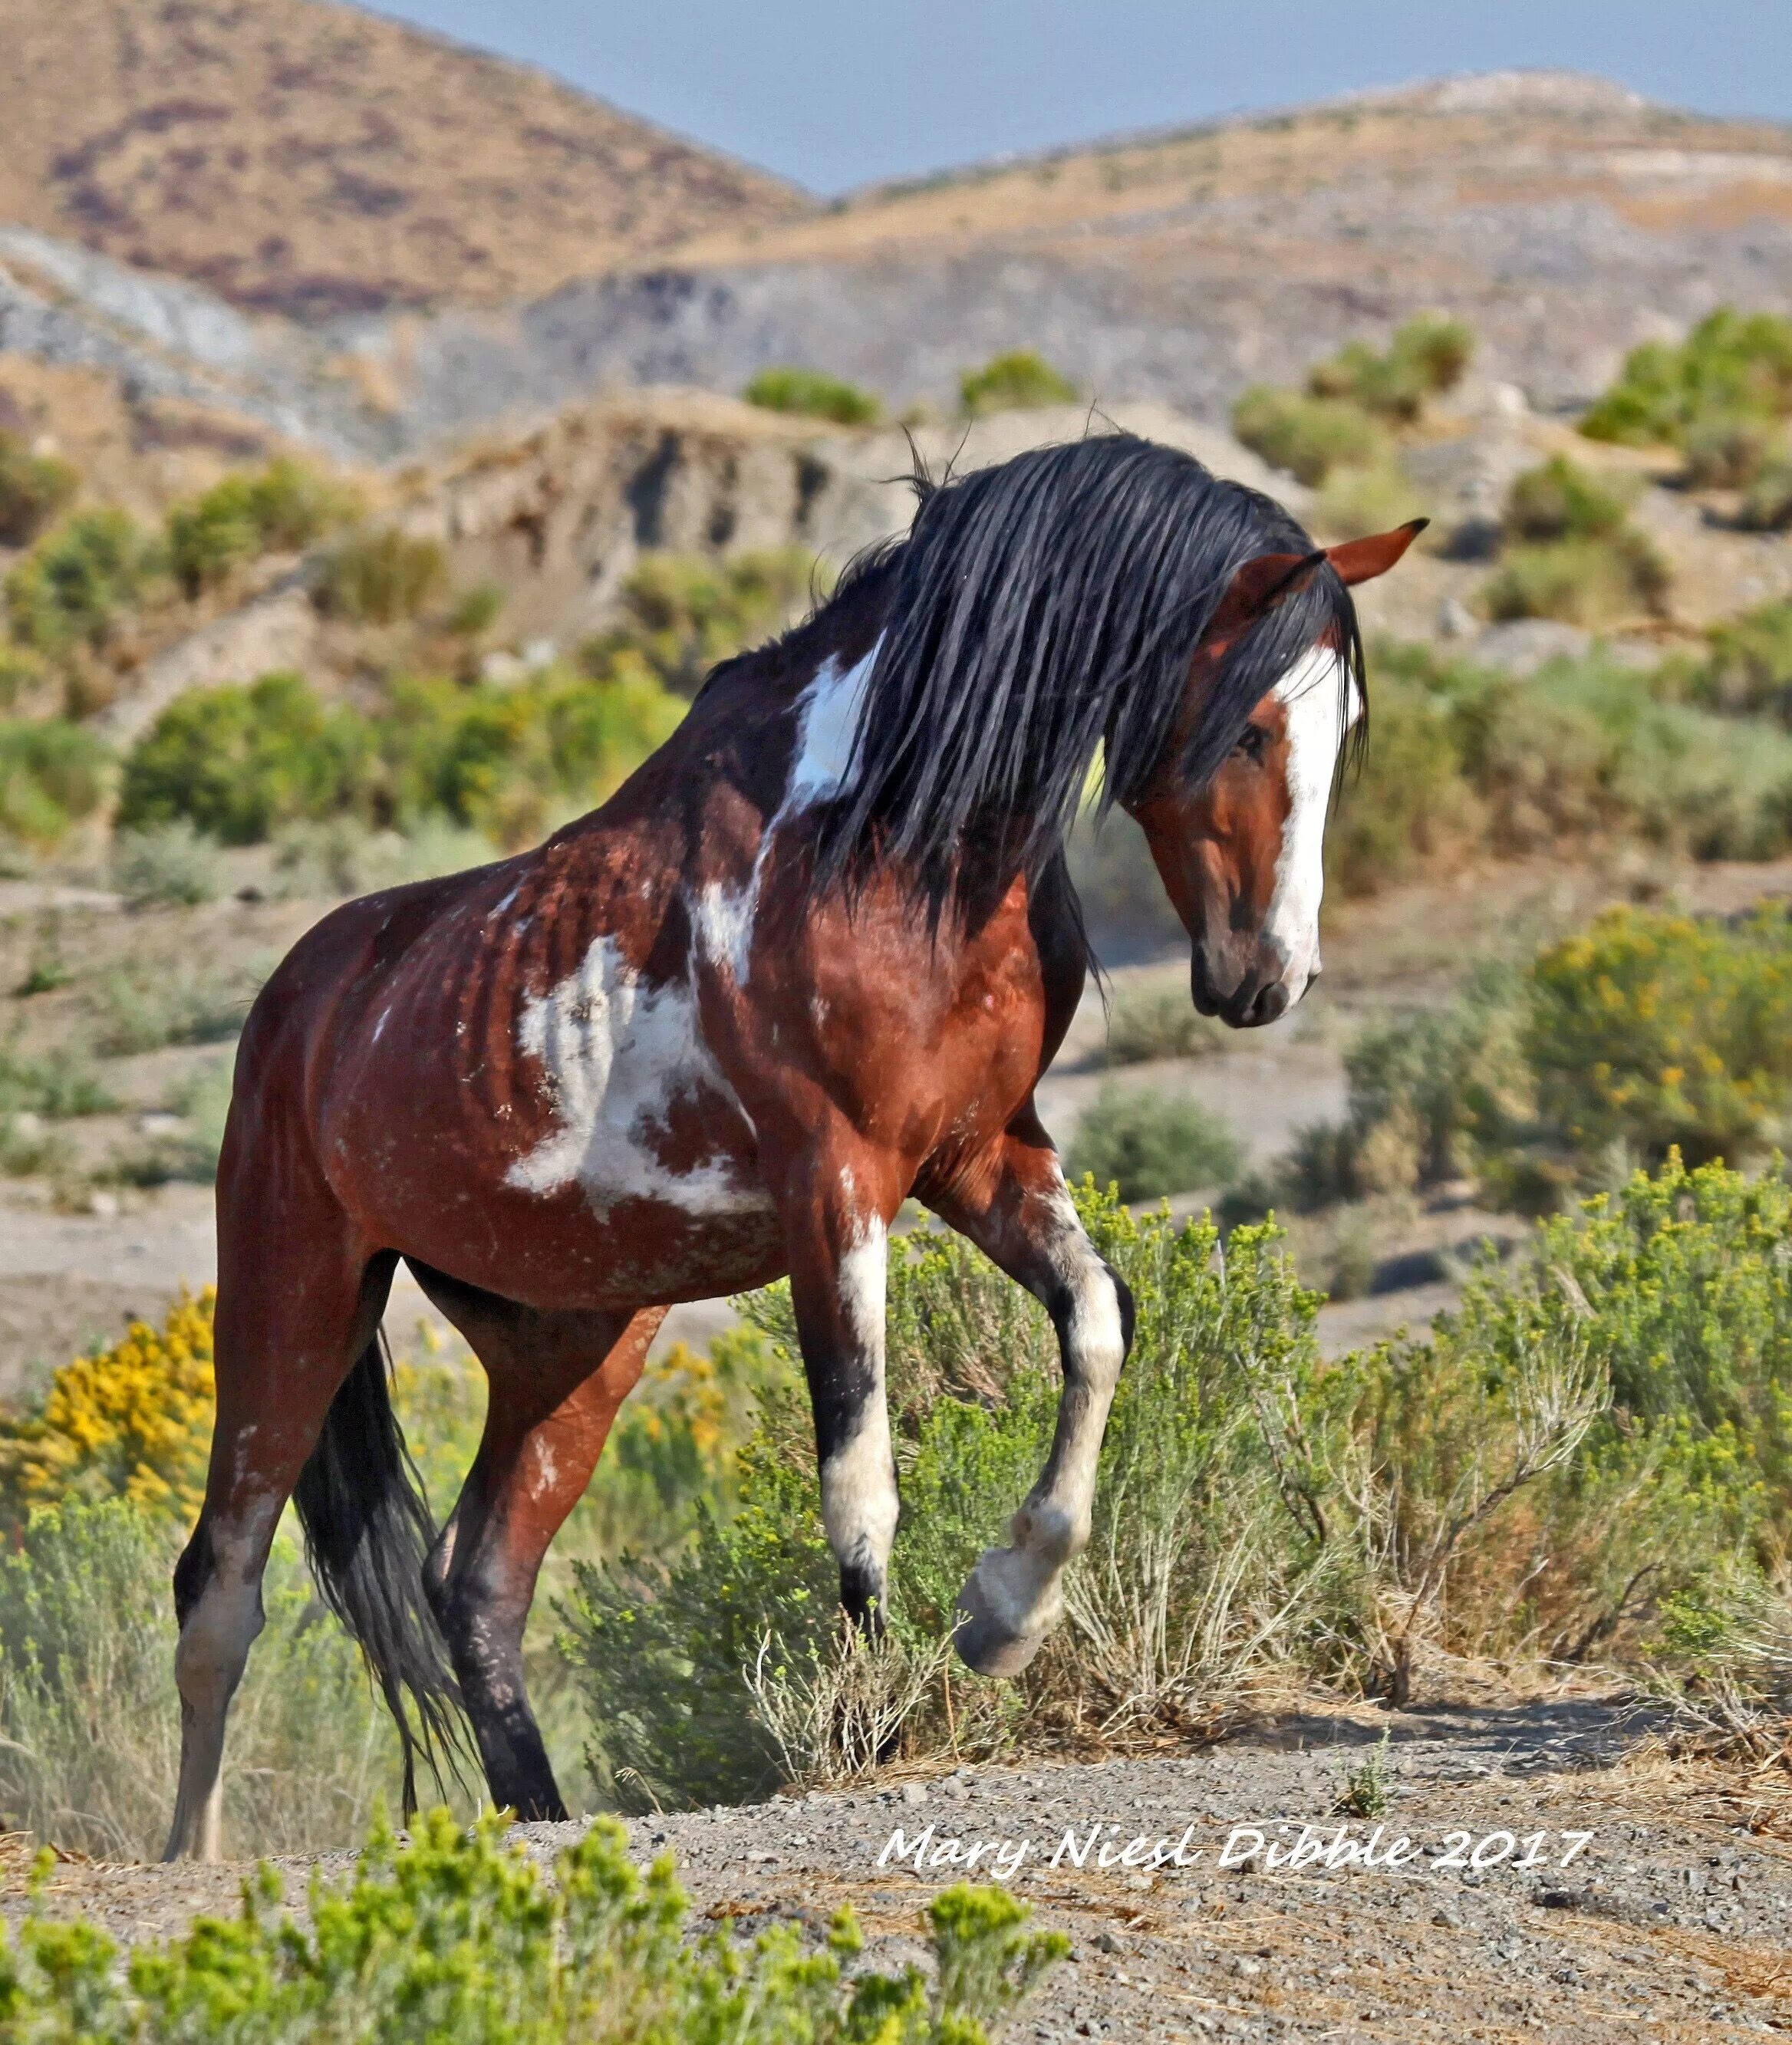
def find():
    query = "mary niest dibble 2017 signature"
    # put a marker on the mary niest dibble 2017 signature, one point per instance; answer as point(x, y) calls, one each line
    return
point(1277, 1843)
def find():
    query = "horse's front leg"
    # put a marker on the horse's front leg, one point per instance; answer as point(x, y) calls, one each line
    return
point(836, 1218)
point(1027, 1222)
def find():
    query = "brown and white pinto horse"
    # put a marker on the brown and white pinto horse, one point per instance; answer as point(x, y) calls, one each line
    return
point(812, 958)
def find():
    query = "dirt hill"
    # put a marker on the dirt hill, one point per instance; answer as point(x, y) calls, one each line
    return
point(1562, 218)
point(309, 160)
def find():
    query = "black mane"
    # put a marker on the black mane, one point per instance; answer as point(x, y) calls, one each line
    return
point(1039, 612)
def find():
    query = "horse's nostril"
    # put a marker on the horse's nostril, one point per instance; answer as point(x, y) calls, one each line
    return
point(1271, 1002)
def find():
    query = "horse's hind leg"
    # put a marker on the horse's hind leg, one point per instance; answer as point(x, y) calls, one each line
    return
point(297, 1302)
point(557, 1381)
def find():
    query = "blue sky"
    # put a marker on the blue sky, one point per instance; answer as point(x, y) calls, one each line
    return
point(834, 93)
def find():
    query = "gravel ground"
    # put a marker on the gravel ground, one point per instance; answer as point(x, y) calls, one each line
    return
point(1672, 1915)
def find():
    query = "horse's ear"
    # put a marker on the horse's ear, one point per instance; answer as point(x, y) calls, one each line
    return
point(1258, 585)
point(1362, 561)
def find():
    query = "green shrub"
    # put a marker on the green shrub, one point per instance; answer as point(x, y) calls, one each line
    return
point(1748, 670)
point(1731, 367)
point(382, 577)
point(1560, 501)
point(145, 1001)
point(476, 610)
point(340, 855)
point(682, 614)
point(34, 490)
point(1572, 553)
point(71, 590)
point(1589, 582)
point(1586, 747)
point(812, 394)
point(23, 675)
point(89, 1725)
point(1151, 1143)
point(1206, 1549)
point(1767, 506)
point(456, 1934)
point(1673, 1292)
point(1654, 1032)
point(1463, 760)
point(1404, 807)
point(188, 1155)
point(1159, 1022)
point(1019, 381)
point(281, 509)
point(1729, 453)
point(167, 864)
point(1425, 357)
point(54, 1087)
point(237, 763)
point(1308, 436)
point(52, 775)
point(1432, 1092)
point(1597, 1437)
point(243, 763)
point(508, 762)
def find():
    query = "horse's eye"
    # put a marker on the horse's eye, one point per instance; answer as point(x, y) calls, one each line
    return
point(1253, 741)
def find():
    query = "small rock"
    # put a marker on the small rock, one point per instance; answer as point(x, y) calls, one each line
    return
point(1105, 1942)
point(104, 1206)
point(914, 1792)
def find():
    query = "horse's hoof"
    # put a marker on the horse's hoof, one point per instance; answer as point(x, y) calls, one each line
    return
point(990, 1637)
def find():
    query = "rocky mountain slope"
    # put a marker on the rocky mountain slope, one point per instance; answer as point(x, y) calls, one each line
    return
point(311, 159)
point(1562, 218)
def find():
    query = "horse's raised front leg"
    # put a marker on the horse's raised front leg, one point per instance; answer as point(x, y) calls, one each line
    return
point(836, 1224)
point(1027, 1224)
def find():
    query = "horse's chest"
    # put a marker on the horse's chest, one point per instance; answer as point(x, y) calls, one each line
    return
point(638, 1108)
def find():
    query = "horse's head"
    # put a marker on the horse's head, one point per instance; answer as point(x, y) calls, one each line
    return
point(1241, 854)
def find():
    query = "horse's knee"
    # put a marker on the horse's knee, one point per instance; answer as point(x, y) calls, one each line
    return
point(1095, 1320)
point(221, 1625)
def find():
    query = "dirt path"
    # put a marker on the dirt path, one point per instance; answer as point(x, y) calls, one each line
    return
point(1673, 1915)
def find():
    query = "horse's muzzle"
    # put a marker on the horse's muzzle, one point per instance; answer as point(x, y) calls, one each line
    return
point(1258, 994)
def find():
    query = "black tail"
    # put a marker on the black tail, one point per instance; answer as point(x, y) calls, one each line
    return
point(368, 1531)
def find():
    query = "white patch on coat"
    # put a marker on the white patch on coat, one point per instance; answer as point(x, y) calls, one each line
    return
point(1314, 692)
point(617, 1055)
point(831, 707)
point(858, 1491)
point(723, 913)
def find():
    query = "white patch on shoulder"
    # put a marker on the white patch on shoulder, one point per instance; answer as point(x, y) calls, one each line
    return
point(616, 1056)
point(830, 708)
point(1318, 722)
point(722, 915)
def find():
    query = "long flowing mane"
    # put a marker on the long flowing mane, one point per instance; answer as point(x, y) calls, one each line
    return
point(1039, 613)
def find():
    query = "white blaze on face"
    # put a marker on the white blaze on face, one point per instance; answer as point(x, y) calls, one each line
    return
point(1313, 693)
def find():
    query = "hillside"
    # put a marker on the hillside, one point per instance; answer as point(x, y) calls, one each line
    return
point(1562, 217)
point(309, 159)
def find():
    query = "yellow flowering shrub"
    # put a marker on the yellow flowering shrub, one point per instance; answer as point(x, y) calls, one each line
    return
point(1656, 1030)
point(132, 1421)
point(135, 1421)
